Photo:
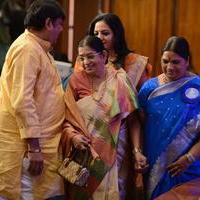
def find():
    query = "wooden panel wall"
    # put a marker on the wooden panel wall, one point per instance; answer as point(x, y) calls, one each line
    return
point(188, 25)
point(163, 30)
point(139, 19)
point(85, 11)
point(62, 43)
point(148, 24)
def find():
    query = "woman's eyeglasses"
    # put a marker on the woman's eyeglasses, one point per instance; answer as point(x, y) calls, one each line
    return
point(88, 57)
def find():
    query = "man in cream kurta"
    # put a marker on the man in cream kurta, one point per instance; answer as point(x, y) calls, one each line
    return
point(32, 111)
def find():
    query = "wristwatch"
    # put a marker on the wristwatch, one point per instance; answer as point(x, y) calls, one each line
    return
point(34, 151)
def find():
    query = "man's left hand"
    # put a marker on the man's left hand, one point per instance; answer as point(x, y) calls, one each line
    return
point(36, 163)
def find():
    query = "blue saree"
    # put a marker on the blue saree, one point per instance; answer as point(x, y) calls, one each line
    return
point(172, 126)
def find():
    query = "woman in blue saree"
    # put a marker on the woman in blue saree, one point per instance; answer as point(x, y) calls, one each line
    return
point(171, 103)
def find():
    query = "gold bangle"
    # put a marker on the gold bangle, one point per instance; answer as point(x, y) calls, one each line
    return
point(190, 157)
point(136, 149)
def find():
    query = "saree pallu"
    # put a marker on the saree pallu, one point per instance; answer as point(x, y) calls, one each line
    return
point(99, 116)
point(172, 128)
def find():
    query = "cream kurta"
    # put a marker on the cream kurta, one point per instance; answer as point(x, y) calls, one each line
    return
point(31, 106)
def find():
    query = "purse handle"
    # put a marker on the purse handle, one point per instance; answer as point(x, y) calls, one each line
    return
point(86, 158)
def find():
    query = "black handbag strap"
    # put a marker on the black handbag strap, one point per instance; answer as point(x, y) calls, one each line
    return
point(83, 157)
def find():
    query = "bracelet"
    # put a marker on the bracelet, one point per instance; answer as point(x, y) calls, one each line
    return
point(34, 151)
point(136, 149)
point(190, 157)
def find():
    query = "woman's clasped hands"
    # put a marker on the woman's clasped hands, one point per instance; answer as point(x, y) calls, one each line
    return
point(141, 164)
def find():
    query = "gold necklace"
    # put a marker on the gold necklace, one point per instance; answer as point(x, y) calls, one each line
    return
point(95, 91)
point(164, 79)
point(112, 59)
